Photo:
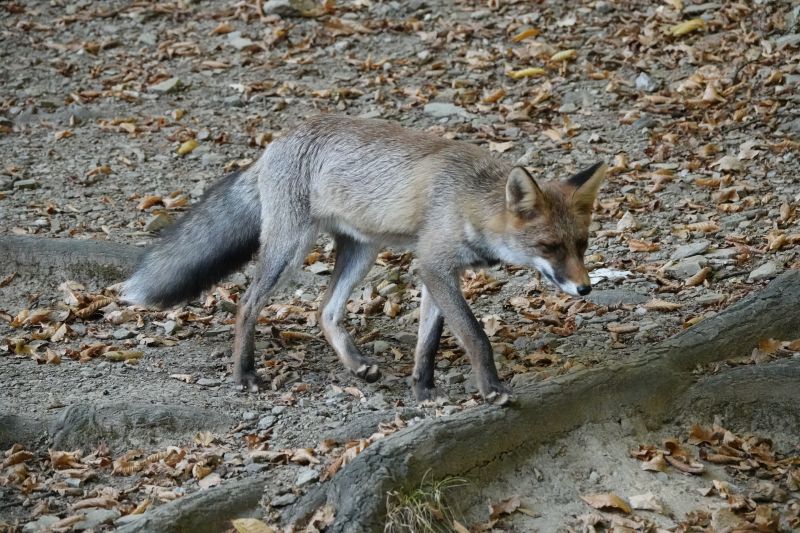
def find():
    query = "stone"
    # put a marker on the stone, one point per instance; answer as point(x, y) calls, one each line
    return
point(390, 288)
point(710, 298)
point(283, 500)
point(723, 519)
point(306, 475)
point(147, 38)
point(122, 333)
point(687, 267)
point(288, 8)
point(765, 271)
point(723, 253)
point(318, 268)
point(208, 382)
point(696, 9)
point(379, 347)
point(645, 83)
point(40, 524)
point(453, 377)
point(171, 85)
point(96, 517)
point(688, 250)
point(247, 416)
point(791, 40)
point(158, 222)
point(26, 184)
point(627, 222)
point(266, 422)
point(444, 110)
point(236, 40)
point(616, 297)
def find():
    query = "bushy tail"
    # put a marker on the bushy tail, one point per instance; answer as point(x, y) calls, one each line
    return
point(215, 238)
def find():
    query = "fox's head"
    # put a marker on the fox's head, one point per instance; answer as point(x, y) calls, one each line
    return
point(547, 225)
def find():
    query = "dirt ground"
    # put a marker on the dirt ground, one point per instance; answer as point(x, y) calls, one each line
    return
point(114, 116)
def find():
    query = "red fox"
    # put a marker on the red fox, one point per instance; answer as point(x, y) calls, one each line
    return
point(369, 184)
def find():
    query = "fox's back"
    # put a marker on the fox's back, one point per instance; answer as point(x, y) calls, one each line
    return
point(375, 177)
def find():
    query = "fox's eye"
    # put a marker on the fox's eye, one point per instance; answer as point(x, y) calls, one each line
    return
point(549, 247)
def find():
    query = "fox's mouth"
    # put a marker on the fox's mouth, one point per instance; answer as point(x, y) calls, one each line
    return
point(567, 286)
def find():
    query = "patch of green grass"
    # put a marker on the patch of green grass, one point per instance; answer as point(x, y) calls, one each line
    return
point(422, 510)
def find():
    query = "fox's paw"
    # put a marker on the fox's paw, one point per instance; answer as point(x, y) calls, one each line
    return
point(369, 373)
point(499, 398)
point(428, 396)
point(247, 382)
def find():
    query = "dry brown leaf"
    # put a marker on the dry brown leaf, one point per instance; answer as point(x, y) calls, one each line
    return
point(698, 278)
point(608, 501)
point(251, 525)
point(187, 147)
point(525, 34)
point(636, 245)
point(504, 507)
point(657, 304)
point(532, 72)
point(687, 26)
point(622, 328)
point(222, 28)
point(656, 464)
point(689, 468)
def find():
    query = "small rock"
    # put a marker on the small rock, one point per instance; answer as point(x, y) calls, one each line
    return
point(127, 519)
point(594, 477)
point(283, 500)
point(391, 288)
point(169, 327)
point(147, 38)
point(266, 422)
point(687, 267)
point(255, 468)
point(711, 298)
point(453, 377)
point(379, 347)
point(40, 524)
point(791, 40)
point(627, 222)
point(236, 40)
point(247, 416)
point(723, 253)
point(645, 121)
point(725, 520)
point(767, 270)
point(306, 475)
point(158, 222)
point(288, 8)
point(25, 184)
point(568, 108)
point(645, 83)
point(480, 14)
point(278, 409)
point(405, 337)
point(767, 492)
point(444, 109)
point(167, 86)
point(208, 382)
point(318, 268)
point(616, 297)
point(688, 250)
point(95, 518)
point(696, 9)
point(122, 333)
point(377, 402)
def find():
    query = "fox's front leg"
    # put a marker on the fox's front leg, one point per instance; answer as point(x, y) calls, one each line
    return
point(446, 292)
point(431, 323)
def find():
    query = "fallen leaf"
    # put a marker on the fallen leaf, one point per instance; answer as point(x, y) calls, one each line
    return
point(532, 72)
point(504, 507)
point(608, 501)
point(187, 147)
point(657, 304)
point(646, 502)
point(687, 26)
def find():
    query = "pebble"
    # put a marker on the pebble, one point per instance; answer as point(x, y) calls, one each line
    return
point(283, 500)
point(249, 415)
point(688, 250)
point(379, 347)
point(40, 524)
point(95, 518)
point(616, 297)
point(266, 422)
point(767, 270)
point(687, 267)
point(645, 83)
point(122, 333)
point(444, 109)
point(25, 184)
point(278, 409)
point(158, 222)
point(147, 38)
point(255, 468)
point(627, 222)
point(391, 288)
point(288, 8)
point(306, 475)
point(167, 86)
point(208, 382)
point(454, 376)
point(710, 298)
point(236, 40)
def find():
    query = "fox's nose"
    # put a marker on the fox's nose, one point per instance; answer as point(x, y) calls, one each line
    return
point(583, 290)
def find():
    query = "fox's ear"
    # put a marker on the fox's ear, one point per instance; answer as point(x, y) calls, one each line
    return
point(522, 192)
point(586, 184)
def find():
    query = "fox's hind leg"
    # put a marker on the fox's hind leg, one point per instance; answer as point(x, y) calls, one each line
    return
point(353, 261)
point(431, 323)
point(281, 252)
